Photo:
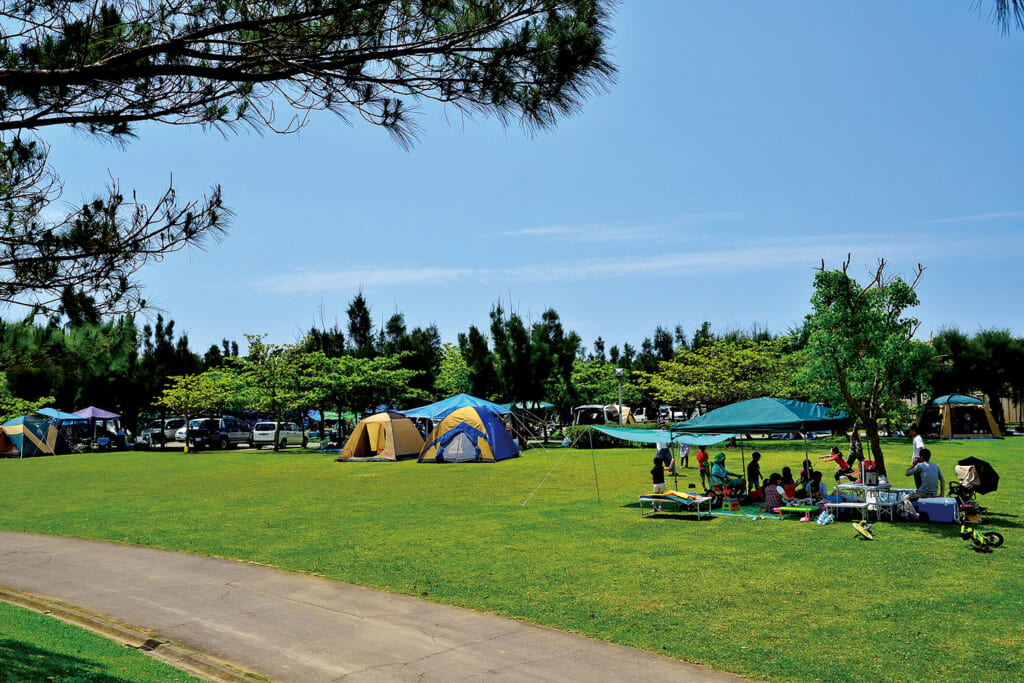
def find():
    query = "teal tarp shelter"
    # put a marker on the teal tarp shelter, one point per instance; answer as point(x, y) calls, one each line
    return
point(438, 411)
point(663, 436)
point(765, 416)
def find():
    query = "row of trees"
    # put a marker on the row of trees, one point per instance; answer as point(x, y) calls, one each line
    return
point(856, 351)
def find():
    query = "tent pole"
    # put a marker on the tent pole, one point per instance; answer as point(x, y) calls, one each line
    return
point(597, 486)
point(743, 464)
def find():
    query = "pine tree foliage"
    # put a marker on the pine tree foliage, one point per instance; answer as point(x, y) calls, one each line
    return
point(103, 68)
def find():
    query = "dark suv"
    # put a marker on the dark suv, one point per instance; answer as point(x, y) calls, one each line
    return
point(222, 433)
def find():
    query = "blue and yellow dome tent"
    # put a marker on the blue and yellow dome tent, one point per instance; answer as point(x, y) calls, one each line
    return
point(31, 435)
point(469, 434)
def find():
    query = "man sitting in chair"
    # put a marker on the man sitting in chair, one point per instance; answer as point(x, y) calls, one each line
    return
point(721, 476)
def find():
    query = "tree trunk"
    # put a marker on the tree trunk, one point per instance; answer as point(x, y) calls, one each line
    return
point(871, 427)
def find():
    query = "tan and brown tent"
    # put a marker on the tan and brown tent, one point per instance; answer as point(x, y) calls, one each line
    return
point(386, 436)
point(958, 417)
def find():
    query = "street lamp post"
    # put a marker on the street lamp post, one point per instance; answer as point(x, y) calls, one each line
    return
point(619, 374)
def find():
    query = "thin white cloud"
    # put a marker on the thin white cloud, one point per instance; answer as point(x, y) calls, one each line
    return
point(977, 218)
point(763, 254)
point(612, 232)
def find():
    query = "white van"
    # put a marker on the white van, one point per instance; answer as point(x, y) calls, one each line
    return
point(288, 433)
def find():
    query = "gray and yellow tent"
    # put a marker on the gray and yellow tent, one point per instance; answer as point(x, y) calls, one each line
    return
point(386, 436)
point(958, 417)
point(31, 435)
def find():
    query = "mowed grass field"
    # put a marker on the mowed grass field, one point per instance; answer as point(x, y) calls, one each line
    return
point(34, 647)
point(766, 599)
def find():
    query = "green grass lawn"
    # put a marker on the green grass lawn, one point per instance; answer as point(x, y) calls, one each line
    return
point(34, 647)
point(765, 599)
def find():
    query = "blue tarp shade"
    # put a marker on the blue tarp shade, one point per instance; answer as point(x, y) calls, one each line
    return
point(438, 411)
point(663, 436)
point(55, 414)
point(765, 416)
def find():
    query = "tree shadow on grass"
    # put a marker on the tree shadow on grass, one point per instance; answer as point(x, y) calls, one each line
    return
point(22, 662)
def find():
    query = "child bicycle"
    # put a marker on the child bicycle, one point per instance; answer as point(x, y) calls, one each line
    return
point(981, 541)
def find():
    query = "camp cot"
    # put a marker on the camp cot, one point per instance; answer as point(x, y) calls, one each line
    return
point(386, 436)
point(469, 434)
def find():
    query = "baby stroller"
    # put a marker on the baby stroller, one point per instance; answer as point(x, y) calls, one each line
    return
point(974, 477)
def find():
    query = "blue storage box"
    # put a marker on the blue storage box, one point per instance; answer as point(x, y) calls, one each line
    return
point(945, 510)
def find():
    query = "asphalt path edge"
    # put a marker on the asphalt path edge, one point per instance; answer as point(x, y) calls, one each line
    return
point(190, 661)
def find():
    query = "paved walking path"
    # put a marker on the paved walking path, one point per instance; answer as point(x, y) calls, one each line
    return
point(293, 627)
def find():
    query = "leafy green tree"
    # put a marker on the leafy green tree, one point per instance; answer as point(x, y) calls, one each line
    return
point(12, 406)
point(211, 391)
point(595, 382)
point(104, 67)
point(351, 383)
point(452, 374)
point(720, 372)
point(859, 355)
point(274, 377)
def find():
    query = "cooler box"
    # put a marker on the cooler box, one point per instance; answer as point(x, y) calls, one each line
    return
point(939, 509)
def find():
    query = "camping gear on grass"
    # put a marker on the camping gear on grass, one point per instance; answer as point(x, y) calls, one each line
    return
point(942, 510)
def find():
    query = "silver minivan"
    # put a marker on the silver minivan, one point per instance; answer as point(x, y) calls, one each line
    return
point(288, 434)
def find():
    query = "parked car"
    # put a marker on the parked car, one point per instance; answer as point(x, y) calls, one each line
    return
point(217, 432)
point(596, 414)
point(159, 432)
point(288, 433)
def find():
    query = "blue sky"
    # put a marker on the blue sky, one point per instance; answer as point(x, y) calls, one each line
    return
point(743, 143)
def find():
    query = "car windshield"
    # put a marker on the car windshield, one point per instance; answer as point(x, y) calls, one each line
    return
point(156, 424)
point(195, 424)
point(265, 427)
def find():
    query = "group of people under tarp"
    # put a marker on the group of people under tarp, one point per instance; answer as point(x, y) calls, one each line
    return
point(781, 488)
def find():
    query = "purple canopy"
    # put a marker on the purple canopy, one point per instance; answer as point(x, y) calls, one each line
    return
point(93, 413)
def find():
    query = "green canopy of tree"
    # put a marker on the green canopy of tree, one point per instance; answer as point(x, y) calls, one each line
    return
point(860, 354)
point(718, 372)
point(595, 382)
point(12, 406)
point(104, 67)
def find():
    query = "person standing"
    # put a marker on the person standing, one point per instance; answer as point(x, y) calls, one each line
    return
point(702, 466)
point(664, 453)
point(918, 443)
point(658, 475)
point(684, 455)
point(754, 471)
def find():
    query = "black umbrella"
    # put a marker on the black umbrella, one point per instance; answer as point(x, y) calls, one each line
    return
point(988, 479)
